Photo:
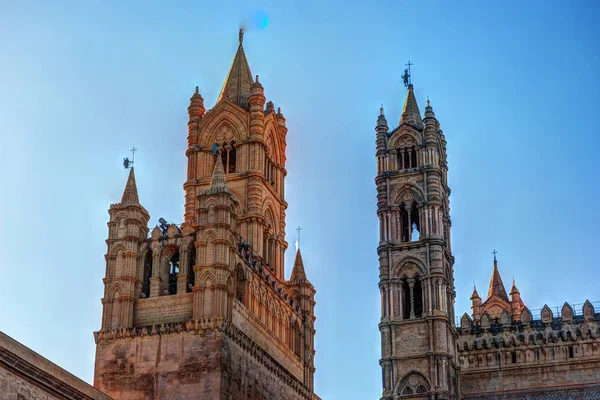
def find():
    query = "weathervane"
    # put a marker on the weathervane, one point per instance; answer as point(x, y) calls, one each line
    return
point(406, 75)
point(127, 163)
point(241, 36)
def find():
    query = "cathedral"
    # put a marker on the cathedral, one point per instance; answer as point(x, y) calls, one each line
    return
point(502, 350)
point(202, 309)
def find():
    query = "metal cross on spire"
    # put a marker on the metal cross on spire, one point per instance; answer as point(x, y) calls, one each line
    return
point(494, 253)
point(298, 230)
point(127, 163)
point(406, 76)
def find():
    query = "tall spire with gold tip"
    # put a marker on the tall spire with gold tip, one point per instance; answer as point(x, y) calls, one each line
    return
point(410, 111)
point(238, 82)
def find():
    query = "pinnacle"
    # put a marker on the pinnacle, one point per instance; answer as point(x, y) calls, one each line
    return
point(218, 183)
point(496, 285)
point(238, 82)
point(130, 194)
point(298, 273)
point(410, 112)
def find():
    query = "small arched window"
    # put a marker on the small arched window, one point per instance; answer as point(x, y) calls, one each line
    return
point(413, 298)
point(173, 273)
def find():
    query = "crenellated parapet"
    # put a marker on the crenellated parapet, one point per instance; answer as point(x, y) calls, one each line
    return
point(503, 341)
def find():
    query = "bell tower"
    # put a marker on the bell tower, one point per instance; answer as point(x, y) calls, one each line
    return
point(202, 309)
point(418, 336)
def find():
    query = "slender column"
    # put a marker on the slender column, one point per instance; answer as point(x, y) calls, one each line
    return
point(409, 224)
point(400, 301)
point(411, 285)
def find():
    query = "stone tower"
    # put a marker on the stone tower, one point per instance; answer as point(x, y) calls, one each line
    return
point(418, 336)
point(202, 309)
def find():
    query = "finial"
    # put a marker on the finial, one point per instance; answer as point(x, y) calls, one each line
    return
point(241, 36)
point(298, 230)
point(256, 79)
point(197, 90)
point(406, 76)
point(428, 103)
point(494, 253)
point(278, 110)
point(127, 163)
point(381, 110)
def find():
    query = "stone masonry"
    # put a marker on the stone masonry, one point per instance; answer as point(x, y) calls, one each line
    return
point(501, 351)
point(202, 309)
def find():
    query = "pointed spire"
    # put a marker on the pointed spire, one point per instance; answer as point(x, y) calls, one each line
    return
point(239, 79)
point(475, 295)
point(410, 112)
point(496, 284)
point(218, 183)
point(381, 121)
point(514, 289)
point(298, 274)
point(429, 110)
point(130, 194)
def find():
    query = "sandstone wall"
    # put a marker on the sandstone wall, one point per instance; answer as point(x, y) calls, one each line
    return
point(249, 373)
point(26, 375)
point(163, 309)
point(266, 340)
point(181, 366)
point(14, 387)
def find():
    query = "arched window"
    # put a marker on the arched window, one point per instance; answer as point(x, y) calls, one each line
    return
point(224, 156)
point(418, 293)
point(231, 160)
point(410, 223)
point(407, 157)
point(407, 390)
point(147, 274)
point(191, 276)
point(173, 272)
point(413, 298)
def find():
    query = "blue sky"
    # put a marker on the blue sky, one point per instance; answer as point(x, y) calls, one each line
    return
point(515, 87)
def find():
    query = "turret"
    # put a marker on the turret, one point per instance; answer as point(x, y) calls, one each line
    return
point(476, 305)
point(306, 300)
point(516, 304)
point(257, 115)
point(283, 131)
point(127, 231)
point(195, 112)
point(381, 136)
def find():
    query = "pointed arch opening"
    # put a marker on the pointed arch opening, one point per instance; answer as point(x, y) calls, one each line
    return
point(147, 274)
point(191, 276)
point(173, 273)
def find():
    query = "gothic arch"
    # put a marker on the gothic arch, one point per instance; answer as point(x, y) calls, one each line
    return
point(115, 291)
point(207, 279)
point(412, 383)
point(118, 247)
point(400, 138)
point(409, 267)
point(407, 193)
point(219, 118)
point(272, 142)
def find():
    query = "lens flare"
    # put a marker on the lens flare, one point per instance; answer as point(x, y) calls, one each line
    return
point(258, 21)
